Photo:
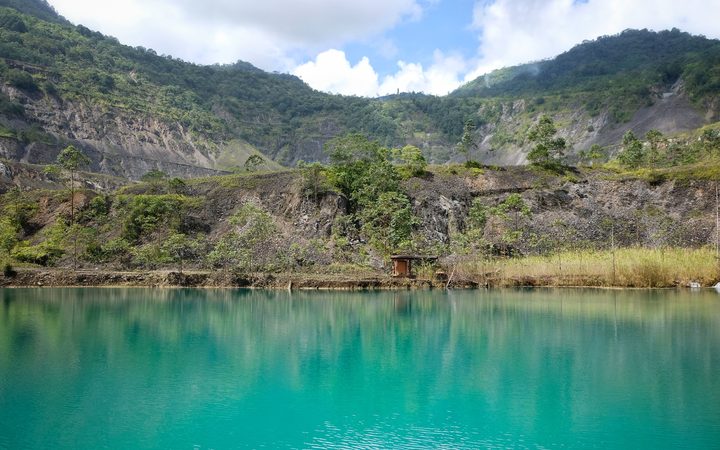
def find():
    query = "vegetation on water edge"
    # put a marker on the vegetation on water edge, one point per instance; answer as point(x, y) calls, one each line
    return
point(624, 267)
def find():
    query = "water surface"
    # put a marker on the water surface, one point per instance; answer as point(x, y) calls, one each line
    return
point(217, 369)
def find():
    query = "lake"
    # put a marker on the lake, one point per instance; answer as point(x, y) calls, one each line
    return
point(219, 369)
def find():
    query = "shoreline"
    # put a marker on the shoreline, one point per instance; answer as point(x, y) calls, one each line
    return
point(208, 279)
point(28, 278)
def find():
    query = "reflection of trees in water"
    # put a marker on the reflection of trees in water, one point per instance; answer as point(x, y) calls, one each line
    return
point(415, 348)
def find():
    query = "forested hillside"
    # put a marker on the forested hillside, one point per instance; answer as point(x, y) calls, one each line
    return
point(132, 110)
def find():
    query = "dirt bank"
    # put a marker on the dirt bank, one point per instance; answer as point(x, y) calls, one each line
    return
point(62, 278)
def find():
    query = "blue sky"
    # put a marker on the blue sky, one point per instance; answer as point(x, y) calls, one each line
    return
point(445, 26)
point(376, 47)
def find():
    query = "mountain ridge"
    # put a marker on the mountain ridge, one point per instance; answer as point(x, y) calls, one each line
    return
point(133, 111)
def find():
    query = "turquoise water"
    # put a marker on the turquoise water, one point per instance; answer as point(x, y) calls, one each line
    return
point(218, 369)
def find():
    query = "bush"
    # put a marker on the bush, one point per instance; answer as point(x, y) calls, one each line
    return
point(13, 23)
point(145, 213)
point(8, 270)
point(21, 80)
point(43, 255)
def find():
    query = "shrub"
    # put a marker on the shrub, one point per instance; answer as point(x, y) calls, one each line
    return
point(8, 270)
point(21, 80)
point(145, 213)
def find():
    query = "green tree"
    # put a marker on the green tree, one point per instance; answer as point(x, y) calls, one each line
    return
point(477, 215)
point(153, 176)
point(224, 253)
point(146, 213)
point(548, 150)
point(513, 210)
point(595, 154)
point(18, 209)
point(361, 169)
point(72, 160)
point(388, 222)
point(632, 154)
point(467, 142)
point(155, 179)
point(412, 161)
point(8, 234)
point(654, 138)
point(177, 185)
point(253, 162)
point(250, 244)
point(314, 179)
point(180, 248)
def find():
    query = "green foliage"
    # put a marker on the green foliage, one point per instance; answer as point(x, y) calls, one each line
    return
point(177, 185)
point(250, 243)
point(388, 222)
point(145, 213)
point(13, 22)
point(114, 249)
point(314, 179)
point(150, 255)
point(8, 234)
point(513, 211)
point(180, 248)
point(513, 204)
point(304, 254)
point(548, 150)
point(361, 169)
point(467, 142)
point(253, 162)
point(412, 161)
point(11, 109)
point(632, 154)
point(36, 8)
point(46, 252)
point(99, 207)
point(153, 176)
point(72, 159)
point(477, 215)
point(18, 208)
point(21, 80)
point(596, 154)
point(280, 115)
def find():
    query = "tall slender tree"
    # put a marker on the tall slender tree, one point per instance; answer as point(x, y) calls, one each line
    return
point(467, 143)
point(72, 160)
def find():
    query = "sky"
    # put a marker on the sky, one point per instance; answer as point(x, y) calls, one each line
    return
point(378, 47)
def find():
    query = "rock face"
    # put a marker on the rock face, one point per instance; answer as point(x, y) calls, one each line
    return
point(670, 112)
point(584, 211)
point(587, 211)
point(117, 143)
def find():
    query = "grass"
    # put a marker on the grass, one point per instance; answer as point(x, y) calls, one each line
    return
point(633, 267)
point(708, 169)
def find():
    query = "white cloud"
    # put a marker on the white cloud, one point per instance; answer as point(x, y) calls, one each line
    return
point(332, 72)
point(265, 32)
point(518, 31)
point(514, 32)
point(442, 77)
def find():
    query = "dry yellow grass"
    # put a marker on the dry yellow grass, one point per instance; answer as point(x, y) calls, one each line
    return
point(632, 267)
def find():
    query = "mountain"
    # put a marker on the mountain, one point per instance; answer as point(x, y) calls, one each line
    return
point(132, 110)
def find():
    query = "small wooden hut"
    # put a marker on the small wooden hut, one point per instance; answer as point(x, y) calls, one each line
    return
point(402, 264)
